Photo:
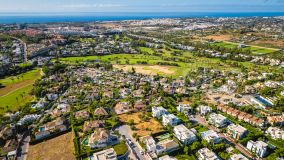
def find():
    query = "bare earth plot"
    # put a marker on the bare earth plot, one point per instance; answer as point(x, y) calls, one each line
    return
point(148, 70)
point(143, 128)
point(223, 37)
point(269, 43)
point(59, 148)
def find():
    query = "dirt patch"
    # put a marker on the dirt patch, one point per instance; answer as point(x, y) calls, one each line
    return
point(223, 37)
point(269, 43)
point(147, 70)
point(60, 148)
point(143, 128)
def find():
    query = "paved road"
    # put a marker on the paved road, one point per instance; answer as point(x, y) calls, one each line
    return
point(24, 149)
point(127, 132)
point(238, 146)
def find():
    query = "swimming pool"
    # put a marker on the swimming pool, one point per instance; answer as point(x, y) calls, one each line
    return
point(263, 101)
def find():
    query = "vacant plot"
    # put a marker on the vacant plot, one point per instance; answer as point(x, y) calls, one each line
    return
point(15, 92)
point(222, 37)
point(148, 70)
point(269, 43)
point(143, 128)
point(59, 148)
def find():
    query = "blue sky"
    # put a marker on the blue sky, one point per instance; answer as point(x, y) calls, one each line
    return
point(141, 6)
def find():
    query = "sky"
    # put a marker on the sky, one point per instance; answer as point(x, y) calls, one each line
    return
point(73, 6)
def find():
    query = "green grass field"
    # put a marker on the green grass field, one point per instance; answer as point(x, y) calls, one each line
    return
point(255, 49)
point(15, 99)
point(146, 50)
point(181, 70)
point(19, 78)
point(16, 90)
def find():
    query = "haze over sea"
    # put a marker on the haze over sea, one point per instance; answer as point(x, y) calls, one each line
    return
point(8, 18)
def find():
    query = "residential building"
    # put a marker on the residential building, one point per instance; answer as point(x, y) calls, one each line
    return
point(100, 112)
point(238, 157)
point(90, 125)
point(166, 146)
point(277, 120)
point(61, 108)
point(183, 108)
point(158, 112)
point(82, 114)
point(218, 120)
point(275, 133)
point(150, 143)
point(211, 136)
point(170, 119)
point(185, 135)
point(27, 119)
point(206, 154)
point(40, 104)
point(167, 157)
point(122, 107)
point(107, 154)
point(258, 147)
point(236, 131)
point(102, 138)
point(204, 109)
point(162, 147)
point(51, 127)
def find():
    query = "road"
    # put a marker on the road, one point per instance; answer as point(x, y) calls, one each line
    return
point(24, 148)
point(127, 132)
point(238, 146)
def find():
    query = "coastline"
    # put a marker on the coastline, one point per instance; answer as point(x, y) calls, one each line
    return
point(11, 18)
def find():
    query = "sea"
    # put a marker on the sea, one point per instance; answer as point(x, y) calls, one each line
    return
point(18, 18)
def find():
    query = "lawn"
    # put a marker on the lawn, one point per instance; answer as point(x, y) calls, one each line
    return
point(186, 62)
point(142, 127)
point(262, 50)
point(61, 147)
point(15, 92)
point(146, 50)
point(120, 148)
point(181, 70)
point(255, 49)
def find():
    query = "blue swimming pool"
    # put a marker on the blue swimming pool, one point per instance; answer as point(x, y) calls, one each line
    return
point(41, 129)
point(263, 101)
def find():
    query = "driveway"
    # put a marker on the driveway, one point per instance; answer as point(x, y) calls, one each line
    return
point(136, 148)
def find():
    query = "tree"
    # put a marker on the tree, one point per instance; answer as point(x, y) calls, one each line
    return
point(280, 103)
point(131, 122)
point(195, 146)
point(186, 149)
point(133, 70)
point(1, 85)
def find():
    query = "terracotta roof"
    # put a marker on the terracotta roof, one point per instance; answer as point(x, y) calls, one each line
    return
point(100, 111)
